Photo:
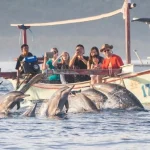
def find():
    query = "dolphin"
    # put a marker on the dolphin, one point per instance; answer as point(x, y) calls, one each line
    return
point(30, 112)
point(81, 103)
point(32, 81)
point(96, 96)
point(54, 106)
point(9, 100)
point(119, 97)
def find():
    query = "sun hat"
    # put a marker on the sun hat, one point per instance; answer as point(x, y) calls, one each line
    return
point(105, 46)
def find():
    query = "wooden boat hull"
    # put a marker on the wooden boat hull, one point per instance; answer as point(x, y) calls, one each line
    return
point(137, 83)
point(45, 90)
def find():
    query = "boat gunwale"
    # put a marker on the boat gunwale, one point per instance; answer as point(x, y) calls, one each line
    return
point(87, 83)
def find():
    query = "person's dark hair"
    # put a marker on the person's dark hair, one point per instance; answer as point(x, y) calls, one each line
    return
point(80, 45)
point(24, 45)
point(55, 49)
point(90, 57)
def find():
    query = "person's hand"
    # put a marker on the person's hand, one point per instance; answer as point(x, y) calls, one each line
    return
point(76, 54)
point(97, 66)
point(80, 57)
point(45, 55)
point(62, 54)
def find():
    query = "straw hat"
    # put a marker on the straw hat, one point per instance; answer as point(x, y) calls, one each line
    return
point(105, 46)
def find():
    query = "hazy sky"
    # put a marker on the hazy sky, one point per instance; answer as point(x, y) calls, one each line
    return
point(66, 37)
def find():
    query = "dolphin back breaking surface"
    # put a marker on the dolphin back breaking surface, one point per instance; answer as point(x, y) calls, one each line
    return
point(119, 97)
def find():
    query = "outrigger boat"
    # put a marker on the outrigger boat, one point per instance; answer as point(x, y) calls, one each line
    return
point(137, 82)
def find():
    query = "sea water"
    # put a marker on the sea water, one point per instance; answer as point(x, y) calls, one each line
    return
point(117, 130)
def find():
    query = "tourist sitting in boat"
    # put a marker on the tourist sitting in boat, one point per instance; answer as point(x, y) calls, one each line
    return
point(79, 61)
point(24, 53)
point(111, 61)
point(63, 64)
point(48, 64)
point(96, 64)
point(94, 51)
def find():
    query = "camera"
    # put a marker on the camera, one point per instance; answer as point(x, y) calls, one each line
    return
point(49, 55)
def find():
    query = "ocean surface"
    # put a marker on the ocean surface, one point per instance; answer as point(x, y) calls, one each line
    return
point(107, 130)
point(110, 130)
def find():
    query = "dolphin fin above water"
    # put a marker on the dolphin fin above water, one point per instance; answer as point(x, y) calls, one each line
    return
point(54, 106)
point(81, 103)
point(31, 111)
point(18, 105)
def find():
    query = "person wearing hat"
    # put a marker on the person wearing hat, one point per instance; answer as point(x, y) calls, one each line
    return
point(111, 61)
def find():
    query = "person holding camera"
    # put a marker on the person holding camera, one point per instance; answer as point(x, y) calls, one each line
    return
point(79, 61)
point(63, 65)
point(48, 64)
point(24, 53)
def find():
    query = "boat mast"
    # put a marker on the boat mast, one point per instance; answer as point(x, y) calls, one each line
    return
point(127, 32)
point(24, 29)
point(128, 6)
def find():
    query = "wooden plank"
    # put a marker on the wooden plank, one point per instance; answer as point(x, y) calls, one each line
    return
point(104, 72)
point(8, 75)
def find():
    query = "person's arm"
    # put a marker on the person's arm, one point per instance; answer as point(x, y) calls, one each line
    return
point(119, 61)
point(92, 66)
point(103, 66)
point(88, 65)
point(83, 60)
point(44, 65)
point(72, 61)
point(56, 61)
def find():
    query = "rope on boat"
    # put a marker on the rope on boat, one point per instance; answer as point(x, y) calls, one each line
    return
point(74, 20)
point(31, 33)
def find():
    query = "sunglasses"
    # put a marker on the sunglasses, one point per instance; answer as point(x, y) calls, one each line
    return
point(106, 50)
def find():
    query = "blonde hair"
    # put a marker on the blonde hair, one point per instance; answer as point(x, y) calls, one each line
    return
point(62, 61)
